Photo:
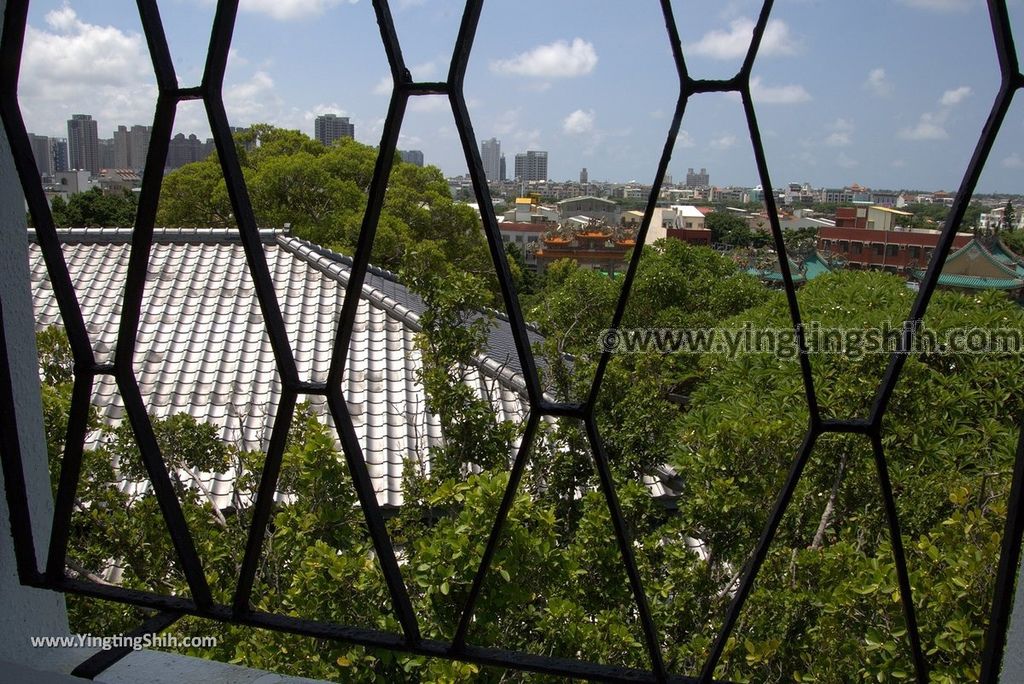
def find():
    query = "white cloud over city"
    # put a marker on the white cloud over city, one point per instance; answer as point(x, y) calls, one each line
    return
point(291, 9)
point(579, 122)
point(734, 42)
point(559, 59)
point(70, 62)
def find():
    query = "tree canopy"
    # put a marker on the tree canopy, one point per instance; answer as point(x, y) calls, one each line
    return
point(320, 191)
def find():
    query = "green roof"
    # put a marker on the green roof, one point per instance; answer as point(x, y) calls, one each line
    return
point(999, 257)
point(812, 267)
point(975, 282)
point(1005, 255)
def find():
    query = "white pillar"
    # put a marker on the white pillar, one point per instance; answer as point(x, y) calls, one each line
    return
point(25, 612)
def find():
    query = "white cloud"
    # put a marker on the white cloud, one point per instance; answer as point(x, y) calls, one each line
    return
point(929, 127)
point(932, 125)
point(723, 142)
point(291, 9)
point(787, 94)
point(841, 134)
point(735, 42)
point(251, 100)
point(955, 96)
point(579, 122)
point(556, 60)
point(942, 5)
point(878, 83)
point(72, 66)
point(1014, 161)
point(684, 139)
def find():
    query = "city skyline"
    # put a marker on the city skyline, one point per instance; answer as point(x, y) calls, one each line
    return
point(832, 110)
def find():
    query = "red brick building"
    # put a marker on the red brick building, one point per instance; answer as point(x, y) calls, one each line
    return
point(890, 250)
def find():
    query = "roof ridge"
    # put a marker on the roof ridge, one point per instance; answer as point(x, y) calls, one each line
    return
point(985, 251)
point(119, 234)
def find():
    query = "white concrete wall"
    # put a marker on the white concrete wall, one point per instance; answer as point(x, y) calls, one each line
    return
point(24, 611)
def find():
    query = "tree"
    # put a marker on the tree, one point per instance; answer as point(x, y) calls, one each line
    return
point(732, 230)
point(95, 208)
point(1009, 217)
point(321, 193)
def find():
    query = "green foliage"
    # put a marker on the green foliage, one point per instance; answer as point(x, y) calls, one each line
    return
point(729, 229)
point(95, 208)
point(557, 586)
point(321, 193)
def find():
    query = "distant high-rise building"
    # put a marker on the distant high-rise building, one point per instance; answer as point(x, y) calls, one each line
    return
point(138, 140)
point(532, 165)
point(106, 149)
point(330, 127)
point(584, 177)
point(698, 180)
point(502, 171)
point(412, 156)
point(42, 151)
point(184, 150)
point(83, 143)
point(490, 154)
point(122, 148)
point(59, 149)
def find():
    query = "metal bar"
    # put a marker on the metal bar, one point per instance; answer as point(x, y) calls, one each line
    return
point(514, 477)
point(371, 511)
point(945, 243)
point(159, 52)
point(464, 125)
point(104, 660)
point(1003, 36)
point(641, 237)
point(142, 235)
point(264, 501)
point(252, 243)
point(562, 410)
point(392, 49)
point(11, 44)
point(753, 566)
point(900, 558)
point(170, 507)
point(494, 657)
point(367, 232)
point(70, 474)
point(1006, 576)
point(424, 88)
point(780, 244)
point(14, 474)
point(623, 537)
point(855, 426)
point(676, 45)
point(755, 44)
point(729, 85)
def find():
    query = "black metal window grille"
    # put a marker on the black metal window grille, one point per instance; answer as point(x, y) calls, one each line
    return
point(409, 639)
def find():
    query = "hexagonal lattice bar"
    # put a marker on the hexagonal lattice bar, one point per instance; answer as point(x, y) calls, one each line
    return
point(410, 641)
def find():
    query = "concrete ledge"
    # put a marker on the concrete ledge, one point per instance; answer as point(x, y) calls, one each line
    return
point(148, 667)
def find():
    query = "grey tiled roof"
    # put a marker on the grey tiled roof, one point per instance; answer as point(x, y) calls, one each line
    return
point(203, 349)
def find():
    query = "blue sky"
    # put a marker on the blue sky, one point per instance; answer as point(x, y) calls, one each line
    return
point(886, 93)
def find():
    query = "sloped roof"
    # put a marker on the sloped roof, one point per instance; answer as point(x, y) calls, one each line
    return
point(1009, 276)
point(203, 348)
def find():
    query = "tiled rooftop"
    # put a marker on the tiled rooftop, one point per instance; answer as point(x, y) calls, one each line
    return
point(202, 347)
